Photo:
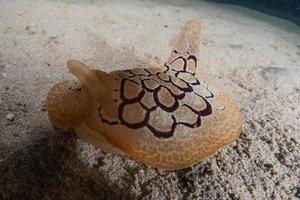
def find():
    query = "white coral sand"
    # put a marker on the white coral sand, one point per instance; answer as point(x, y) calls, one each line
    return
point(254, 56)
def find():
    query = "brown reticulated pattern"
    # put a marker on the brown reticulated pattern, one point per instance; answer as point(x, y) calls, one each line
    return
point(147, 96)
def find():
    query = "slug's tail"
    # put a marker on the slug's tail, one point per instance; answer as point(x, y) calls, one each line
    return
point(188, 38)
point(183, 57)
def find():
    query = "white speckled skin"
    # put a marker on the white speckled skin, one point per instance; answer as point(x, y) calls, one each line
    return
point(167, 117)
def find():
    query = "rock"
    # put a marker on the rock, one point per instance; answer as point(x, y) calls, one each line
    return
point(10, 117)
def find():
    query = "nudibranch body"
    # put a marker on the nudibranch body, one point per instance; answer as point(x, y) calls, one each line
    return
point(168, 117)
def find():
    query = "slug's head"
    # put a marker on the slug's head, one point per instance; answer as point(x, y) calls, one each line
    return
point(70, 102)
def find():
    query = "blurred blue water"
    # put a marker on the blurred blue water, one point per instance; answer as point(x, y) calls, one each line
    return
point(286, 9)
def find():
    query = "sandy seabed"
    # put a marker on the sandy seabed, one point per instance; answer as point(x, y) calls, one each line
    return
point(254, 56)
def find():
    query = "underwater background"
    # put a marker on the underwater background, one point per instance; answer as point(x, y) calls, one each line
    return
point(250, 48)
point(286, 9)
